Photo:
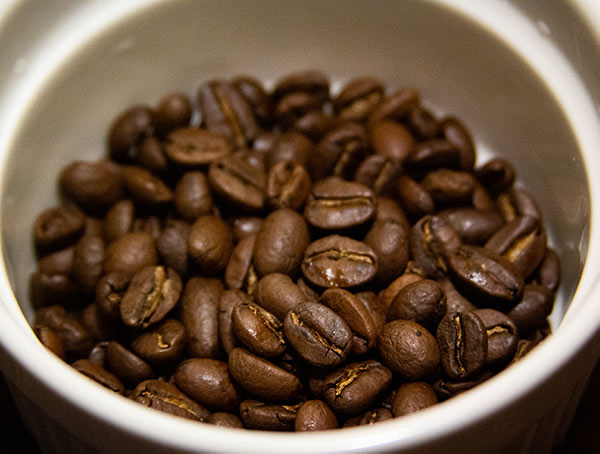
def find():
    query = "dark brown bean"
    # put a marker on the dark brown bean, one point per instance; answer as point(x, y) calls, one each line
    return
point(396, 106)
point(456, 133)
point(358, 98)
point(473, 226)
point(378, 173)
point(146, 189)
point(128, 130)
point(99, 375)
point(126, 365)
point(191, 148)
point(174, 110)
point(413, 397)
point(389, 241)
point(109, 292)
point(288, 186)
point(210, 244)
point(262, 416)
point(162, 346)
point(75, 338)
point(278, 294)
point(118, 220)
point(192, 196)
point(392, 140)
point(240, 273)
point(257, 98)
point(503, 336)
point(423, 302)
point(533, 308)
point(413, 197)
point(258, 330)
point(225, 419)
point(315, 415)
point(58, 227)
point(88, 260)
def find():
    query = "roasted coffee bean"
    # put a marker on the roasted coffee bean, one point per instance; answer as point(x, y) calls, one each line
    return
point(463, 343)
point(423, 123)
point(210, 243)
point(315, 415)
point(238, 183)
point(280, 243)
point(432, 243)
point(533, 308)
point(192, 197)
point(309, 81)
point(319, 335)
point(339, 152)
point(244, 225)
point(50, 339)
point(413, 197)
point(370, 417)
point(200, 316)
point(191, 148)
point(358, 97)
point(338, 261)
point(497, 175)
point(395, 106)
point(240, 273)
point(288, 186)
point(293, 106)
point(278, 294)
point(118, 220)
point(165, 397)
point(265, 140)
point(356, 387)
point(58, 227)
point(411, 274)
point(315, 124)
point(173, 111)
point(388, 208)
point(392, 140)
point(99, 375)
point(225, 111)
point(88, 259)
point(225, 419)
point(413, 397)
point(455, 132)
point(449, 187)
point(256, 97)
point(503, 336)
point(423, 302)
point(389, 241)
point(258, 330)
point(518, 202)
point(128, 130)
point(473, 226)
point(455, 302)
point(172, 246)
point(378, 173)
point(375, 308)
point(109, 292)
point(208, 382)
point(75, 338)
point(409, 350)
point(151, 156)
point(97, 354)
point(485, 276)
point(151, 295)
point(355, 314)
point(257, 160)
point(91, 185)
point(146, 189)
point(432, 154)
point(308, 291)
point(262, 378)
point(99, 326)
point(227, 302)
point(445, 388)
point(522, 241)
point(548, 273)
point(46, 289)
point(290, 146)
point(150, 224)
point(126, 365)
point(163, 346)
point(59, 262)
point(335, 204)
point(262, 416)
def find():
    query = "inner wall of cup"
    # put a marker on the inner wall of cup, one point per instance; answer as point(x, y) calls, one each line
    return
point(459, 67)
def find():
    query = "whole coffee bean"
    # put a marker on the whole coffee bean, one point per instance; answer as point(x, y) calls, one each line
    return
point(411, 274)
point(97, 354)
point(192, 196)
point(293, 106)
point(548, 273)
point(172, 246)
point(288, 186)
point(261, 377)
point(463, 343)
point(392, 140)
point(192, 148)
point(226, 112)
point(128, 130)
point(482, 200)
point(240, 273)
point(238, 183)
point(309, 81)
point(262, 416)
point(455, 302)
point(409, 350)
point(413, 197)
point(503, 336)
point(315, 415)
point(455, 132)
point(522, 241)
point(388, 208)
point(151, 295)
point(225, 419)
point(174, 110)
point(165, 397)
point(356, 387)
point(375, 308)
point(309, 293)
point(449, 187)
point(497, 175)
point(59, 262)
point(370, 417)
point(395, 106)
point(162, 346)
point(473, 226)
point(339, 152)
point(335, 204)
point(389, 241)
point(423, 302)
point(75, 338)
point(432, 154)
point(99, 326)
point(50, 339)
point(149, 224)
point(146, 189)
point(358, 98)
point(338, 261)
point(423, 123)
point(378, 173)
point(210, 243)
point(258, 330)
point(445, 388)
point(485, 276)
point(118, 220)
point(151, 156)
point(91, 185)
point(432, 243)
point(315, 124)
point(257, 98)
point(88, 259)
point(130, 253)
point(46, 289)
point(242, 226)
point(99, 375)
point(58, 227)
point(208, 382)
point(518, 202)
point(227, 302)
point(278, 294)
point(355, 314)
point(200, 316)
point(280, 243)
point(290, 146)
point(533, 308)
point(319, 335)
point(109, 292)
point(126, 365)
point(413, 397)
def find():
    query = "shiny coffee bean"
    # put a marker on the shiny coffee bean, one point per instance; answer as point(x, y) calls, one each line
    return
point(449, 187)
point(258, 330)
point(109, 292)
point(228, 300)
point(371, 417)
point(192, 197)
point(423, 123)
point(263, 416)
point(423, 302)
point(50, 339)
point(392, 140)
point(308, 81)
point(395, 106)
point(358, 98)
point(518, 202)
point(455, 132)
point(75, 338)
point(162, 346)
point(128, 130)
point(548, 273)
point(278, 294)
point(533, 308)
point(378, 173)
point(412, 397)
point(145, 189)
point(174, 110)
point(294, 106)
point(151, 156)
point(411, 274)
point(315, 415)
point(432, 154)
point(56, 228)
point(172, 246)
point(497, 175)
point(126, 365)
point(290, 146)
point(210, 244)
point(288, 186)
point(257, 98)
point(119, 220)
point(473, 226)
point(191, 148)
point(240, 272)
point(315, 124)
point(88, 260)
point(445, 388)
point(242, 226)
point(413, 198)
point(503, 336)
point(225, 419)
point(389, 241)
point(455, 301)
point(99, 375)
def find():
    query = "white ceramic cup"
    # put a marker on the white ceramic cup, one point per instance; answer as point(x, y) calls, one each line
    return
point(521, 75)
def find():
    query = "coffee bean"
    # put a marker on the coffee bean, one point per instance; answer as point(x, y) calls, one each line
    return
point(423, 302)
point(497, 175)
point(388, 208)
point(449, 187)
point(378, 173)
point(463, 343)
point(99, 374)
point(395, 106)
point(413, 397)
point(258, 330)
point(146, 189)
point(548, 273)
point(288, 186)
point(432, 154)
point(227, 302)
point(518, 202)
point(315, 415)
point(240, 273)
point(88, 259)
point(126, 365)
point(242, 226)
point(389, 241)
point(75, 338)
point(46, 289)
point(295, 105)
point(262, 416)
point(151, 156)
point(413, 197)
point(51, 340)
point(191, 148)
point(472, 225)
point(128, 130)
point(278, 294)
point(314, 124)
point(58, 227)
point(59, 262)
point(192, 197)
point(455, 132)
point(533, 308)
point(210, 243)
point(109, 292)
point(172, 246)
point(445, 388)
point(162, 346)
point(455, 302)
point(309, 81)
point(503, 336)
point(423, 123)
point(256, 97)
point(118, 220)
point(387, 295)
point(392, 140)
point(319, 335)
point(371, 417)
point(238, 183)
point(225, 419)
point(290, 146)
point(173, 111)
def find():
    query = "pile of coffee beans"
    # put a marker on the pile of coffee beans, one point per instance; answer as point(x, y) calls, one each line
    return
point(291, 258)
